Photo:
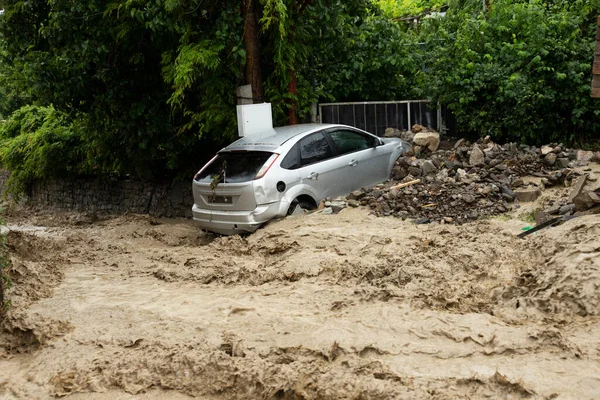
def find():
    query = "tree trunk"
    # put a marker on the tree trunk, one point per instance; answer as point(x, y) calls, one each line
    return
point(251, 45)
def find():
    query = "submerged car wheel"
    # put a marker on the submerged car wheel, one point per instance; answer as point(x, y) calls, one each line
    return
point(300, 204)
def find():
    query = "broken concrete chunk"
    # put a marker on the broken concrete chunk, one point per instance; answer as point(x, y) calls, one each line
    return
point(477, 157)
point(583, 155)
point(578, 187)
point(527, 195)
point(547, 150)
point(550, 159)
point(431, 140)
point(586, 200)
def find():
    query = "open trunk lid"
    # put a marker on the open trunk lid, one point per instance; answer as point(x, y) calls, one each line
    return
point(226, 182)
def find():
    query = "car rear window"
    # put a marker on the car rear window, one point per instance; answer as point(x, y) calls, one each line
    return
point(234, 167)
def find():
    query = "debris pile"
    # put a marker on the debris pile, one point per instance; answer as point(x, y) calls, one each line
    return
point(455, 184)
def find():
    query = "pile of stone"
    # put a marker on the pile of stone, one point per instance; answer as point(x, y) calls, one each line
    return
point(471, 180)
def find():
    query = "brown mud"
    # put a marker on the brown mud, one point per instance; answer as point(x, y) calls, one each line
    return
point(342, 306)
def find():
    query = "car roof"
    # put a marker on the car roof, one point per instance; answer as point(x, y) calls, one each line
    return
point(272, 139)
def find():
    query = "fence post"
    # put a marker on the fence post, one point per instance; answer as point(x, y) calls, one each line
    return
point(409, 118)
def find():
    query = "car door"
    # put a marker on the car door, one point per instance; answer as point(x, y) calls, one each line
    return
point(320, 169)
point(366, 161)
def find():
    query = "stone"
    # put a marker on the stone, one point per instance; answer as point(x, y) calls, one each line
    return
point(416, 128)
point(392, 132)
point(586, 200)
point(577, 187)
point(527, 195)
point(583, 155)
point(407, 135)
point(477, 157)
point(569, 208)
point(517, 183)
point(552, 210)
point(507, 193)
point(422, 221)
point(353, 203)
point(468, 198)
point(547, 150)
point(415, 170)
point(428, 168)
point(356, 195)
point(431, 140)
point(562, 162)
point(550, 159)
point(459, 143)
point(541, 217)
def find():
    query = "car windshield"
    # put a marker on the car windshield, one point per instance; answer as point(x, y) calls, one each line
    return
point(234, 167)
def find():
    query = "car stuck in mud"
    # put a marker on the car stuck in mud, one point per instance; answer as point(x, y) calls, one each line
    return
point(269, 175)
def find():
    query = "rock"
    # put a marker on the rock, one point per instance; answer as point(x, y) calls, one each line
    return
point(507, 193)
point(428, 168)
point(569, 208)
point(562, 162)
point(596, 157)
point(336, 205)
point(415, 170)
point(399, 173)
point(468, 198)
point(552, 210)
point(392, 132)
point(541, 217)
point(517, 183)
point(356, 195)
point(459, 143)
point(585, 155)
point(353, 203)
point(408, 136)
point(547, 150)
point(431, 140)
point(477, 157)
point(416, 128)
point(527, 195)
point(421, 221)
point(578, 187)
point(550, 159)
point(586, 200)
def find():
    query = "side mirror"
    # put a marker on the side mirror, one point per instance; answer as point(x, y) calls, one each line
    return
point(378, 143)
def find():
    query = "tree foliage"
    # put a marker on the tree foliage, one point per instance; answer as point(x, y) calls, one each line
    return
point(522, 72)
point(147, 87)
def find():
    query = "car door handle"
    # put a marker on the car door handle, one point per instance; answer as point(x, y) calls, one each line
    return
point(313, 175)
point(353, 163)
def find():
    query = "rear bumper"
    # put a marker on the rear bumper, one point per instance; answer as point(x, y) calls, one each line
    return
point(235, 222)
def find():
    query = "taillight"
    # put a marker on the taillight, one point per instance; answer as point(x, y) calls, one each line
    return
point(206, 165)
point(263, 170)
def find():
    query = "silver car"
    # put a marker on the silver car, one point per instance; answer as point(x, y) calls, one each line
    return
point(258, 178)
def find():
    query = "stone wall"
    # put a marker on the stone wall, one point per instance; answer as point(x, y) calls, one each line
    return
point(114, 196)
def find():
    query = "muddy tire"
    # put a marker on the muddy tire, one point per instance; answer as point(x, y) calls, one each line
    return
point(303, 204)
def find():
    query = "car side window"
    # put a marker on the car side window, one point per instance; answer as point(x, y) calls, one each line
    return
point(292, 159)
point(314, 148)
point(350, 141)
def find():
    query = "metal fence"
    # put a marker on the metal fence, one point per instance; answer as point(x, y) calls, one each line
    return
point(376, 117)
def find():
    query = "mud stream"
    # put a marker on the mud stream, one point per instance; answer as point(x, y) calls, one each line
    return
point(343, 306)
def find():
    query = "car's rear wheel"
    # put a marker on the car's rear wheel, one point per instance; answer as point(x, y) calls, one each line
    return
point(301, 204)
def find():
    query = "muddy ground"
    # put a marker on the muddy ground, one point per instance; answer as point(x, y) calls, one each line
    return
point(345, 306)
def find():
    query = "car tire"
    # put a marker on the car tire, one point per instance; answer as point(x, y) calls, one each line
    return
point(304, 205)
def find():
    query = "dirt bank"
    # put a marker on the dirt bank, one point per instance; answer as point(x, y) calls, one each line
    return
point(324, 306)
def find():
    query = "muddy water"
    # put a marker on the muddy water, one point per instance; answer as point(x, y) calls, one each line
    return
point(342, 306)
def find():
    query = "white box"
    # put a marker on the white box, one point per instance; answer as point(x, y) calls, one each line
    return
point(255, 119)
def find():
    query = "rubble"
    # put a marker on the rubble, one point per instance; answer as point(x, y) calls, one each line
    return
point(468, 181)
